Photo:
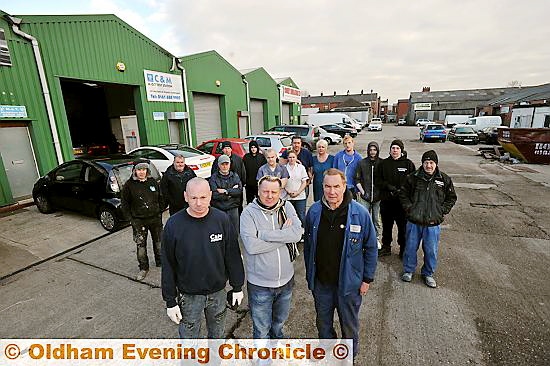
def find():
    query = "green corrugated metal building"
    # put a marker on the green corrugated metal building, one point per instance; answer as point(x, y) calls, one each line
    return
point(95, 72)
point(264, 99)
point(290, 101)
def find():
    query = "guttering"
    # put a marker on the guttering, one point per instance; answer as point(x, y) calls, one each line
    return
point(248, 123)
point(186, 99)
point(15, 22)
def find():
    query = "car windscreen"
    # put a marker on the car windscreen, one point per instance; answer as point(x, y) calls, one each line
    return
point(286, 141)
point(124, 172)
point(435, 127)
point(186, 152)
point(465, 130)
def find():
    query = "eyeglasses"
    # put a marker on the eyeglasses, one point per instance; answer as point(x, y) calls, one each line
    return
point(270, 178)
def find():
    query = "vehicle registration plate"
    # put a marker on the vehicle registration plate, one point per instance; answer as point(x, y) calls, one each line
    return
point(468, 140)
point(206, 165)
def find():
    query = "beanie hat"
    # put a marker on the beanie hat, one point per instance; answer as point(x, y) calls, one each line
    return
point(226, 144)
point(398, 143)
point(223, 159)
point(430, 155)
point(142, 165)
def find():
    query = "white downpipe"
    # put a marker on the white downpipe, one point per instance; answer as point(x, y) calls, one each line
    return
point(280, 104)
point(186, 99)
point(44, 85)
point(248, 123)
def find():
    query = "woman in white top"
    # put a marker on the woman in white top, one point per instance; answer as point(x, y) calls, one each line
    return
point(296, 185)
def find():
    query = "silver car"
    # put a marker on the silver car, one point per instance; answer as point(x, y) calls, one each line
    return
point(278, 142)
point(309, 134)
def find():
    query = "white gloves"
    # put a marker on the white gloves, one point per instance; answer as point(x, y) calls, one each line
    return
point(237, 298)
point(175, 313)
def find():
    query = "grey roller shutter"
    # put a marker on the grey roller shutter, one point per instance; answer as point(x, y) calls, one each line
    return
point(257, 116)
point(286, 113)
point(208, 124)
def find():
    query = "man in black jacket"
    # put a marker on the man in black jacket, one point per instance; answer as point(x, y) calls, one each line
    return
point(173, 183)
point(143, 203)
point(393, 171)
point(226, 190)
point(253, 160)
point(200, 252)
point(367, 183)
point(427, 196)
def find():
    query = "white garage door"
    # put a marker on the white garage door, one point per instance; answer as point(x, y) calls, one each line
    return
point(286, 113)
point(208, 122)
point(256, 116)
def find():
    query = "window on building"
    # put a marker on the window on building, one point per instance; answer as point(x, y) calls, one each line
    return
point(5, 59)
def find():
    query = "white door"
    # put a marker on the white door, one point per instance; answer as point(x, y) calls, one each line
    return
point(286, 114)
point(256, 116)
point(208, 124)
point(130, 132)
point(174, 131)
point(243, 127)
point(18, 157)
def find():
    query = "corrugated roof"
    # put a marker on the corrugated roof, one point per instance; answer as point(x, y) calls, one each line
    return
point(524, 94)
point(361, 98)
point(458, 95)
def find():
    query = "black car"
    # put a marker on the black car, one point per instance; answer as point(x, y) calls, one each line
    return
point(489, 135)
point(340, 130)
point(463, 135)
point(89, 186)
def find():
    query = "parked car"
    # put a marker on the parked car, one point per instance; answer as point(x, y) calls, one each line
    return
point(279, 142)
point(401, 122)
point(375, 126)
point(433, 132)
point(214, 147)
point(309, 134)
point(89, 186)
point(422, 121)
point(462, 134)
point(340, 130)
point(162, 156)
point(330, 137)
point(489, 135)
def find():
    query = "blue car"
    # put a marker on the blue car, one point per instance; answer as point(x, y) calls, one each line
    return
point(433, 132)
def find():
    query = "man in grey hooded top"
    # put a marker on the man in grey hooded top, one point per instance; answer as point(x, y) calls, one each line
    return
point(270, 229)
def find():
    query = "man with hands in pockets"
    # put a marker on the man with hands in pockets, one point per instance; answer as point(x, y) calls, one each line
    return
point(200, 250)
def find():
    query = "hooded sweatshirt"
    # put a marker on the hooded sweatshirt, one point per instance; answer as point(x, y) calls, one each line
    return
point(252, 163)
point(393, 173)
point(367, 174)
point(142, 199)
point(264, 239)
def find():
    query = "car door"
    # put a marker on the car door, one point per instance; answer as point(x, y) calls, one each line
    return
point(66, 186)
point(93, 188)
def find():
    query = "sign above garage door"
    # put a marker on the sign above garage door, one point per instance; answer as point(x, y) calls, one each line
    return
point(163, 87)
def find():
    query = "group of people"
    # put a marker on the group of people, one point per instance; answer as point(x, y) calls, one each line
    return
point(341, 231)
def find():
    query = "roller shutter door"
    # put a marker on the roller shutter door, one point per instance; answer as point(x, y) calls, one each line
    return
point(286, 114)
point(208, 124)
point(256, 116)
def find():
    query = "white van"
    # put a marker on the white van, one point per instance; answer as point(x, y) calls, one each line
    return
point(456, 119)
point(479, 123)
point(321, 119)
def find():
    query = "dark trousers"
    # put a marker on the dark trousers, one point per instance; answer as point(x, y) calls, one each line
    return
point(391, 211)
point(327, 300)
point(140, 228)
point(251, 192)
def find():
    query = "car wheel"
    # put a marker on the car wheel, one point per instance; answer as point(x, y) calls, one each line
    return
point(107, 218)
point(43, 203)
point(443, 140)
point(328, 140)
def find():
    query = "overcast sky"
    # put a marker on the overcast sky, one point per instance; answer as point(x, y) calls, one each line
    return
point(392, 47)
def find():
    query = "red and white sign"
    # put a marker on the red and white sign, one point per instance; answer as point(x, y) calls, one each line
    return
point(290, 94)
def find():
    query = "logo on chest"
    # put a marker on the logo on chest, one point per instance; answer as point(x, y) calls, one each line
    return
point(216, 237)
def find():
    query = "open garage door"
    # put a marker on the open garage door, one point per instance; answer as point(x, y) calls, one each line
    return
point(208, 124)
point(256, 116)
point(286, 114)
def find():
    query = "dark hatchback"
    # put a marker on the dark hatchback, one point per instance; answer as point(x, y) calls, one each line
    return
point(463, 135)
point(340, 130)
point(489, 135)
point(88, 186)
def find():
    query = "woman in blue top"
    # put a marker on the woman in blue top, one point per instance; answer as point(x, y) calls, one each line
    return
point(321, 162)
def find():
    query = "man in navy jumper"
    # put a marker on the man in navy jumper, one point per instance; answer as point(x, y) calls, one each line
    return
point(200, 250)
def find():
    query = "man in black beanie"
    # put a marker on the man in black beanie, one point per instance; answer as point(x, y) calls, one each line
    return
point(427, 196)
point(393, 171)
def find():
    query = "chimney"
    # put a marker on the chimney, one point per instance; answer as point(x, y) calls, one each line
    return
point(361, 91)
point(348, 92)
point(425, 89)
point(321, 93)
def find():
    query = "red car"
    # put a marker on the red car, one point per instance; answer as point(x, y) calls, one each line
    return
point(214, 147)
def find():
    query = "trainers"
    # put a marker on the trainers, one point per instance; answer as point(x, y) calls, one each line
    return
point(430, 282)
point(141, 275)
point(407, 276)
point(385, 251)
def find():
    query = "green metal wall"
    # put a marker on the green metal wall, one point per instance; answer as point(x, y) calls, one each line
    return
point(295, 111)
point(262, 86)
point(88, 47)
point(203, 70)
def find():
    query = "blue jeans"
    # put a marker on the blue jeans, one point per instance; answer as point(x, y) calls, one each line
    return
point(192, 307)
point(269, 309)
point(233, 214)
point(327, 299)
point(300, 207)
point(430, 242)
